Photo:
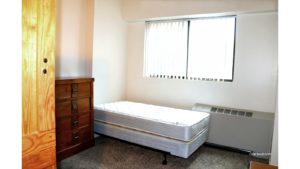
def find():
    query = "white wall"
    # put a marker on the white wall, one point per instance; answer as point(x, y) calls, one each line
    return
point(74, 37)
point(274, 152)
point(109, 52)
point(255, 75)
point(141, 9)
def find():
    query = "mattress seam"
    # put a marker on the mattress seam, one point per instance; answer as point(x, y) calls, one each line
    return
point(148, 132)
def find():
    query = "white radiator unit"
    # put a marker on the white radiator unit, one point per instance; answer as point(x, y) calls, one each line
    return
point(242, 129)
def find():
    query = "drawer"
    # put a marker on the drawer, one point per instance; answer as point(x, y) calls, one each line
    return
point(74, 122)
point(71, 138)
point(63, 109)
point(62, 91)
point(80, 105)
point(80, 90)
point(69, 107)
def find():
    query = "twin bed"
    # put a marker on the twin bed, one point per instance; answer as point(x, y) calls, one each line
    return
point(176, 131)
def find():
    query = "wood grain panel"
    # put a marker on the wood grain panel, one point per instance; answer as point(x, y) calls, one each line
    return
point(62, 91)
point(46, 50)
point(83, 90)
point(92, 106)
point(38, 115)
point(63, 109)
point(29, 59)
point(51, 167)
point(39, 150)
point(83, 105)
point(38, 27)
point(44, 159)
point(258, 165)
point(36, 142)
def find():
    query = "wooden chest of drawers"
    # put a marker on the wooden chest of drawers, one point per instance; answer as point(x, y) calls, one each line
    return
point(74, 113)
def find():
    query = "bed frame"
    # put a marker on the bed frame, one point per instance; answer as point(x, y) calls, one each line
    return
point(116, 120)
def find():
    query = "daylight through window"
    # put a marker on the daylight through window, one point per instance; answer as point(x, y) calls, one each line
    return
point(197, 49)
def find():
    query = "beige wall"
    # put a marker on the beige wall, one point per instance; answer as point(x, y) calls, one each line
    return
point(90, 41)
point(255, 73)
point(144, 9)
point(255, 77)
point(74, 37)
point(109, 52)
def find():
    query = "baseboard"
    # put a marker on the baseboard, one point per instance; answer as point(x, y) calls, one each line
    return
point(227, 148)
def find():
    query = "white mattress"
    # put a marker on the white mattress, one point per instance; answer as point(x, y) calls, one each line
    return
point(175, 147)
point(173, 123)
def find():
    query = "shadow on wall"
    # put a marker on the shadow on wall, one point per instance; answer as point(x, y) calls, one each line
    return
point(74, 37)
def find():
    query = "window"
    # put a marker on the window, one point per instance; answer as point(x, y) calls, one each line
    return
point(201, 49)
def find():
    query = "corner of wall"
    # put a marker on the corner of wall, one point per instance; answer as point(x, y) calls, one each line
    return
point(274, 151)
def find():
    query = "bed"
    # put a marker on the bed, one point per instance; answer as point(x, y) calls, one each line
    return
point(176, 131)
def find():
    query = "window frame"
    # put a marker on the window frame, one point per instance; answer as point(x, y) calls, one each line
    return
point(187, 55)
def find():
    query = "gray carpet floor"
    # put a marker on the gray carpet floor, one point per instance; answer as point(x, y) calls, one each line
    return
point(110, 153)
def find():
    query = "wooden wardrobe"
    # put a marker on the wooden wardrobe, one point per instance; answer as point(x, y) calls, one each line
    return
point(38, 82)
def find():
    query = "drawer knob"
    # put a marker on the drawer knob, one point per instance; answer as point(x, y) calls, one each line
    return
point(74, 88)
point(75, 139)
point(74, 106)
point(75, 123)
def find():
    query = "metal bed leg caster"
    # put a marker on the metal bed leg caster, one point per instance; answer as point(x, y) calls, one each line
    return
point(165, 162)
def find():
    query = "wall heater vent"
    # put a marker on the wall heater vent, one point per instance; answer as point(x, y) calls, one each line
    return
point(243, 129)
point(231, 111)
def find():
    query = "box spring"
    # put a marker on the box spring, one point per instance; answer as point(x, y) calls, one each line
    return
point(175, 147)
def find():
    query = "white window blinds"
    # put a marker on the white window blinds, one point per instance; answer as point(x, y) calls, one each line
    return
point(211, 47)
point(165, 49)
point(201, 49)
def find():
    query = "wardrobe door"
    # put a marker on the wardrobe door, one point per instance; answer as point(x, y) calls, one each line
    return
point(38, 82)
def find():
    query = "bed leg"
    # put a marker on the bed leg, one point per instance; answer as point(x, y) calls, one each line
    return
point(165, 162)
